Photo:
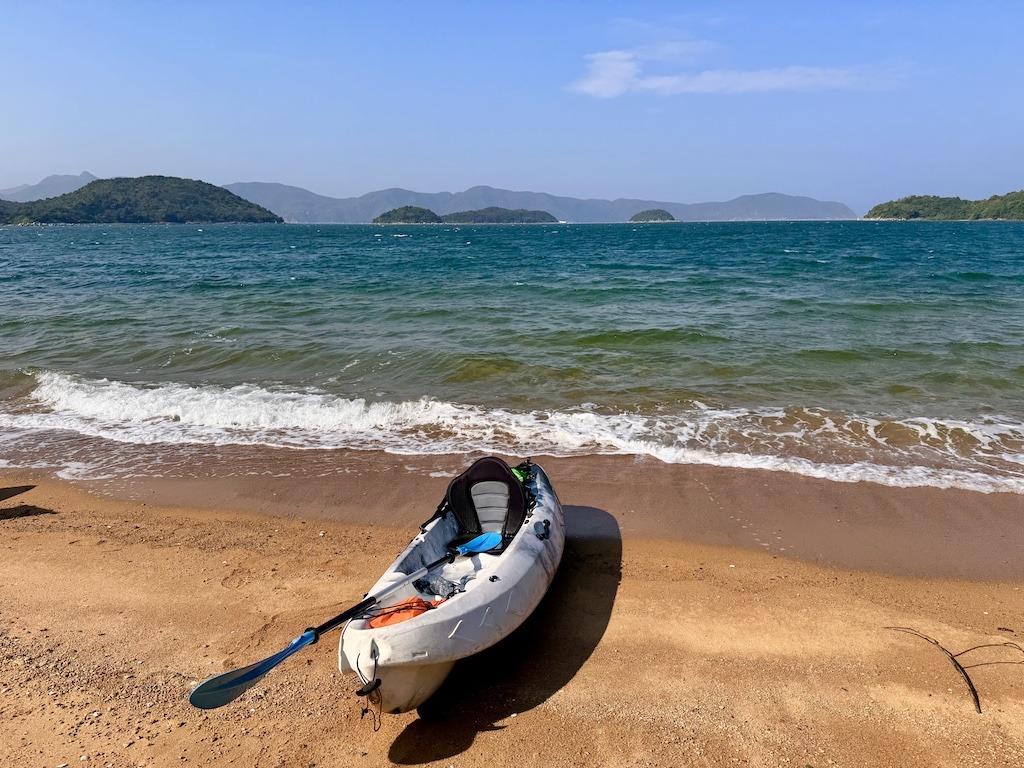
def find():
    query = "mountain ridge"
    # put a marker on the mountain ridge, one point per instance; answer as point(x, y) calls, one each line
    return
point(299, 205)
point(52, 186)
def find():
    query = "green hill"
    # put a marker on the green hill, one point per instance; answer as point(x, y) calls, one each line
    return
point(653, 214)
point(142, 200)
point(495, 215)
point(408, 214)
point(1009, 207)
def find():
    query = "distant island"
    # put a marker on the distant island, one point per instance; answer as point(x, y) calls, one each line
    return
point(932, 208)
point(412, 214)
point(143, 200)
point(408, 214)
point(653, 214)
point(495, 215)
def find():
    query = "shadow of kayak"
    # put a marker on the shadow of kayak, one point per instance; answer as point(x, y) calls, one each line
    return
point(6, 493)
point(24, 510)
point(534, 662)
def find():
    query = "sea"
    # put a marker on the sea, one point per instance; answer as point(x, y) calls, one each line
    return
point(885, 352)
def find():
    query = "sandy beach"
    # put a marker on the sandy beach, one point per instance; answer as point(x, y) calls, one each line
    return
point(701, 616)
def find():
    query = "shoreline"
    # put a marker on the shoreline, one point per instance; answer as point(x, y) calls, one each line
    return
point(918, 531)
point(78, 426)
point(696, 646)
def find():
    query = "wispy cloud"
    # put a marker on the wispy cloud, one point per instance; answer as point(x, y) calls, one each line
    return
point(614, 73)
point(610, 74)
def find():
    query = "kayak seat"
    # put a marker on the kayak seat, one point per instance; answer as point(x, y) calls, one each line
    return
point(487, 498)
point(490, 498)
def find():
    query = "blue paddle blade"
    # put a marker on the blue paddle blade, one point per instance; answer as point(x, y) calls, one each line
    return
point(220, 689)
point(482, 543)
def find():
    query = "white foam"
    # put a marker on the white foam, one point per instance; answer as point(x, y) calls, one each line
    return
point(80, 470)
point(771, 439)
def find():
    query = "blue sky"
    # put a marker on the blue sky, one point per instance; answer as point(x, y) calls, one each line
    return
point(686, 102)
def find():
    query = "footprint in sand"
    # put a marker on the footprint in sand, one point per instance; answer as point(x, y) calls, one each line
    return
point(238, 577)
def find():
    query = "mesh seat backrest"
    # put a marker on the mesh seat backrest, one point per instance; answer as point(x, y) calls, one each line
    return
point(488, 497)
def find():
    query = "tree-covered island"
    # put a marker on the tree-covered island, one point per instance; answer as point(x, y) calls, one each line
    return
point(411, 214)
point(653, 214)
point(408, 214)
point(142, 200)
point(932, 208)
point(496, 215)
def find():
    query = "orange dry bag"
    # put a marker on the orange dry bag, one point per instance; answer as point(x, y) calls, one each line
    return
point(403, 611)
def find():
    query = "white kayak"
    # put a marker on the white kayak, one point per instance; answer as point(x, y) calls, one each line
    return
point(472, 601)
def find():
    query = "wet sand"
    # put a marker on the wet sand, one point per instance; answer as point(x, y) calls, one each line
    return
point(701, 616)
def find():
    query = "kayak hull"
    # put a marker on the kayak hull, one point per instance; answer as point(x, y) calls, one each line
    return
point(499, 591)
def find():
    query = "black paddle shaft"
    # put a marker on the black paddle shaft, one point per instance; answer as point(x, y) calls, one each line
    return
point(342, 617)
point(372, 600)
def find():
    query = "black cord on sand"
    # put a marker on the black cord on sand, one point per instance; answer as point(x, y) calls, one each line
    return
point(962, 668)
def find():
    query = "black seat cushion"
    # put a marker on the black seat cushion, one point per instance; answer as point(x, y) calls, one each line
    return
point(475, 498)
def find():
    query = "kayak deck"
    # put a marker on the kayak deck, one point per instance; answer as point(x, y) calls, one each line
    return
point(493, 593)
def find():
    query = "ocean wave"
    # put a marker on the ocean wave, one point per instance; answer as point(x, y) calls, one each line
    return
point(982, 455)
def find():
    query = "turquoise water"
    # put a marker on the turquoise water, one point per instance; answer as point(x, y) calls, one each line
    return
point(884, 351)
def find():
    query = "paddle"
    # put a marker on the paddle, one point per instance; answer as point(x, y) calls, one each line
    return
point(220, 689)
